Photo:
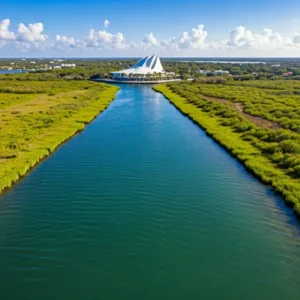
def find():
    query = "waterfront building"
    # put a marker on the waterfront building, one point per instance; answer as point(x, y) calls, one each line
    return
point(220, 72)
point(147, 70)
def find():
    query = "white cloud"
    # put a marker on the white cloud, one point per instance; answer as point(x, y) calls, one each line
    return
point(241, 38)
point(198, 35)
point(5, 34)
point(194, 39)
point(296, 39)
point(150, 39)
point(64, 42)
point(104, 39)
point(25, 39)
point(67, 43)
point(32, 33)
point(106, 23)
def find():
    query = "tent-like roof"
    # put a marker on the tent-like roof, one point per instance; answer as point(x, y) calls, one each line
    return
point(149, 64)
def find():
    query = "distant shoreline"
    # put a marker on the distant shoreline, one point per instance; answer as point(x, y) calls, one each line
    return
point(193, 58)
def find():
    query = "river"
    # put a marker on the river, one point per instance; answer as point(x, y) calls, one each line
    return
point(143, 205)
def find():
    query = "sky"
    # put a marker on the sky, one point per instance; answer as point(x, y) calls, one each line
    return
point(132, 28)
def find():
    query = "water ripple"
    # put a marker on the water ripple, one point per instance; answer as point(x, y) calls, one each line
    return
point(143, 205)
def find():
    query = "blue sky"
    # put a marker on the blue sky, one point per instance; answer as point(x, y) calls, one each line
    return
point(135, 28)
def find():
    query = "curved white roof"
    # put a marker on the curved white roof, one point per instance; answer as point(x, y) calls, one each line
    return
point(146, 65)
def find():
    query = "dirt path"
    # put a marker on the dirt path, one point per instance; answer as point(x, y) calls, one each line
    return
point(238, 107)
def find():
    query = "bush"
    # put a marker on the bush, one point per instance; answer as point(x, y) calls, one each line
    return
point(272, 154)
point(290, 146)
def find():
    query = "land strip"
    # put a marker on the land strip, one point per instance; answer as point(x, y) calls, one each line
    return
point(271, 155)
point(39, 116)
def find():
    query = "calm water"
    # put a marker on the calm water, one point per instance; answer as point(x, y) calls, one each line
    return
point(143, 205)
point(11, 71)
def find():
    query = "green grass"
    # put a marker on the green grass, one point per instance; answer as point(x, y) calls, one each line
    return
point(260, 98)
point(32, 126)
point(272, 155)
point(9, 99)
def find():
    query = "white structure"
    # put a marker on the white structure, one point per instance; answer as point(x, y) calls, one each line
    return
point(220, 72)
point(147, 65)
point(146, 70)
point(203, 72)
point(68, 65)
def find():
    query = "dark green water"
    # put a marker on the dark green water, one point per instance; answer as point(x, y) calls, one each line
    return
point(143, 205)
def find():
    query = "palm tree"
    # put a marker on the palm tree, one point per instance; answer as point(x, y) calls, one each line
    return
point(159, 75)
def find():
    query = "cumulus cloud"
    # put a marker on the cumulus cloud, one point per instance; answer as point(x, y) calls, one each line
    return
point(241, 38)
point(150, 39)
point(104, 39)
point(193, 39)
point(5, 34)
point(64, 42)
point(26, 38)
point(106, 23)
point(296, 39)
point(32, 38)
point(32, 33)
point(67, 43)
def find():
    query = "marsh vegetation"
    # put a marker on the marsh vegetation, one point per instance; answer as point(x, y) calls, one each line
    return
point(257, 121)
point(37, 116)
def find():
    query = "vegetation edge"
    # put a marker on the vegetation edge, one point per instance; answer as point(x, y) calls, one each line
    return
point(56, 138)
point(225, 137)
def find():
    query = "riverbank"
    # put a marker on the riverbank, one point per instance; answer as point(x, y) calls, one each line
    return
point(37, 117)
point(237, 143)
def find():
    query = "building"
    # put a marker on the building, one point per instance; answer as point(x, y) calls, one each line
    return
point(204, 72)
point(287, 74)
point(220, 72)
point(146, 70)
point(68, 65)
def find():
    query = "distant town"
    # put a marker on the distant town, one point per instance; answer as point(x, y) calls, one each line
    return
point(186, 69)
point(37, 65)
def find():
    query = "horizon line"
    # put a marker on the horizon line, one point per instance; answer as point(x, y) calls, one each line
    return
point(113, 57)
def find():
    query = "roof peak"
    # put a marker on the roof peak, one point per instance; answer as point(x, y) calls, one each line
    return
point(146, 65)
point(151, 62)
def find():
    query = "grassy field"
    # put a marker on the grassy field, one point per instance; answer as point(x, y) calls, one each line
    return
point(37, 116)
point(257, 122)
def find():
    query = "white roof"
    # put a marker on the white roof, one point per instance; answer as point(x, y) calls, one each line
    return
point(149, 64)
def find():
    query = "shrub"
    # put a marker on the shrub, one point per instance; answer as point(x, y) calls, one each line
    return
point(290, 146)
